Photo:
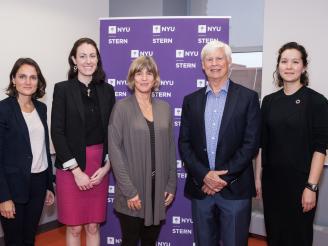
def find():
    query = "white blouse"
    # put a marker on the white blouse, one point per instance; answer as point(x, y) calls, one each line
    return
point(37, 140)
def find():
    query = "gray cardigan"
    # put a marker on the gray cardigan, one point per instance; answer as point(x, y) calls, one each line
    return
point(130, 154)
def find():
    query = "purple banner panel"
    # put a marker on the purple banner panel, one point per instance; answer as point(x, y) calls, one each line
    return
point(175, 43)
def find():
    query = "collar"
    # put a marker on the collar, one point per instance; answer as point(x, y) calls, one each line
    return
point(224, 88)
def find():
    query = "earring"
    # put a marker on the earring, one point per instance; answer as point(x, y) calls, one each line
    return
point(75, 68)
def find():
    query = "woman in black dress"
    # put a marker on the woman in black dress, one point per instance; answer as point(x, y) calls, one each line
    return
point(292, 155)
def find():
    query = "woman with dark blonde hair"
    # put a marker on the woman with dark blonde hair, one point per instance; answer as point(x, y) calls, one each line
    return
point(142, 152)
point(293, 149)
point(25, 162)
point(80, 114)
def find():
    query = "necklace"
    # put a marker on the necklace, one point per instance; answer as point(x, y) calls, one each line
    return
point(88, 92)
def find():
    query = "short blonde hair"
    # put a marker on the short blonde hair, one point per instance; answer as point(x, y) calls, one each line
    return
point(138, 65)
point(213, 45)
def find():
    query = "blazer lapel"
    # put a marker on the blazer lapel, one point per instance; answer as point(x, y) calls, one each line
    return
point(76, 94)
point(202, 115)
point(230, 104)
point(20, 119)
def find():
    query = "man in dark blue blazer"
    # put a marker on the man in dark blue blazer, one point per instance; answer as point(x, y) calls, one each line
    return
point(219, 136)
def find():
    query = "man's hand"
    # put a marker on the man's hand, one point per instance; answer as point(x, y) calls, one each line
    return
point(213, 182)
point(207, 190)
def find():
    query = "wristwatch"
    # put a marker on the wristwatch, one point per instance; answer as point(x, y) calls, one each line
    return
point(312, 187)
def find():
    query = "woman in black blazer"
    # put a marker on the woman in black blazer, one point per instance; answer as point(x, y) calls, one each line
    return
point(80, 114)
point(25, 163)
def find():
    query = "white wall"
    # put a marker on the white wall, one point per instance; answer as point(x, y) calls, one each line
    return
point(302, 21)
point(45, 30)
point(246, 23)
point(198, 7)
point(122, 8)
point(175, 8)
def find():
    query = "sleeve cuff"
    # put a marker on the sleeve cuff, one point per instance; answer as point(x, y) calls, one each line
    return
point(106, 158)
point(69, 163)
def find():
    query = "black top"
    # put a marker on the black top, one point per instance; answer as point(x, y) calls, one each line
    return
point(293, 128)
point(68, 120)
point(152, 150)
point(152, 146)
point(94, 132)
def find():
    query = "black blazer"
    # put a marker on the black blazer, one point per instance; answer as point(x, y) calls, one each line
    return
point(16, 153)
point(238, 142)
point(68, 120)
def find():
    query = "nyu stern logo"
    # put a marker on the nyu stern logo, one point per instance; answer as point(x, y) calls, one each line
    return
point(137, 53)
point(111, 189)
point(177, 111)
point(112, 82)
point(113, 240)
point(179, 164)
point(185, 53)
point(206, 28)
point(200, 83)
point(157, 29)
point(177, 220)
point(118, 29)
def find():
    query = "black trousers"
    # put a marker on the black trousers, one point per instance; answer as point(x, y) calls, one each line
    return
point(21, 230)
point(133, 230)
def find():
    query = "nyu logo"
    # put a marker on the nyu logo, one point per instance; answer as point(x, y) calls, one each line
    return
point(111, 189)
point(183, 53)
point(113, 240)
point(115, 82)
point(158, 29)
point(204, 28)
point(163, 244)
point(201, 83)
point(110, 240)
point(116, 29)
point(112, 82)
point(137, 53)
point(177, 111)
point(177, 220)
point(179, 164)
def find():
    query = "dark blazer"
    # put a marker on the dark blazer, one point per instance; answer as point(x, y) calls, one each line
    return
point(238, 142)
point(16, 153)
point(68, 120)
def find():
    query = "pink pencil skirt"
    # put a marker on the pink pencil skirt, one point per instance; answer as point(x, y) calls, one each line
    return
point(76, 207)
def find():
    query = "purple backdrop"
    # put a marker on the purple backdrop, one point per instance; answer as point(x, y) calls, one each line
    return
point(175, 44)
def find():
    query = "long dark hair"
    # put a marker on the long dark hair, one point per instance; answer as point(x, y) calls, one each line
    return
point(41, 87)
point(304, 76)
point(99, 75)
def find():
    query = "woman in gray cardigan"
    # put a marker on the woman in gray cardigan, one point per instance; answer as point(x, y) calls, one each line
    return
point(142, 152)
